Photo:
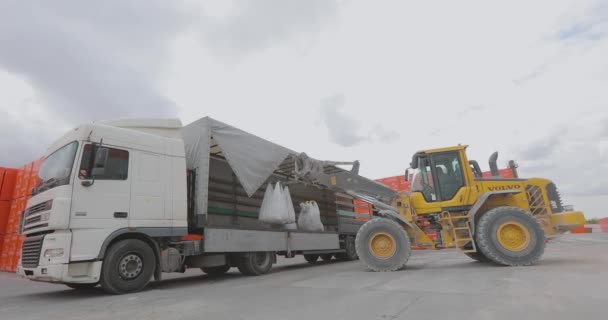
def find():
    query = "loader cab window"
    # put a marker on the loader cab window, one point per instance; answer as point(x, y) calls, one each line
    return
point(422, 180)
point(448, 171)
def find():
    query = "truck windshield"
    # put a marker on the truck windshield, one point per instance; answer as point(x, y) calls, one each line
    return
point(56, 168)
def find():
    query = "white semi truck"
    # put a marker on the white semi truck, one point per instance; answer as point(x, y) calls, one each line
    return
point(121, 202)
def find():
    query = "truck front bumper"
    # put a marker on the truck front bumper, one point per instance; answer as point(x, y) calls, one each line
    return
point(76, 272)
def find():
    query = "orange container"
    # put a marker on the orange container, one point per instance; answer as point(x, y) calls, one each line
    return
point(24, 189)
point(17, 253)
point(17, 206)
point(604, 225)
point(8, 251)
point(7, 186)
point(1, 244)
point(5, 210)
point(581, 229)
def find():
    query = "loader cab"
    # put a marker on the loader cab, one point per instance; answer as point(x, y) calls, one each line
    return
point(442, 180)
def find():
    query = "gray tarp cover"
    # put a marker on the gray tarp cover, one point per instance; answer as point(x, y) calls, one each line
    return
point(252, 158)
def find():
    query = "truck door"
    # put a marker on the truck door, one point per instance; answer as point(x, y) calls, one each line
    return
point(150, 191)
point(100, 204)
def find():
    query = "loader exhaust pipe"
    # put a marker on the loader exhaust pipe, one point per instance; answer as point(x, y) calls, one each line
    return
point(493, 165)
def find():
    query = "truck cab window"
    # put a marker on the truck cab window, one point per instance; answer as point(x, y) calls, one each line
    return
point(117, 167)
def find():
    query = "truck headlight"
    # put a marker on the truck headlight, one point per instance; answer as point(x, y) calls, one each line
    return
point(45, 216)
point(53, 253)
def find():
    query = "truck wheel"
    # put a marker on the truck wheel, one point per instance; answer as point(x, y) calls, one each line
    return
point(326, 257)
point(216, 271)
point(478, 256)
point(311, 258)
point(255, 263)
point(128, 267)
point(383, 245)
point(510, 236)
point(81, 286)
point(351, 251)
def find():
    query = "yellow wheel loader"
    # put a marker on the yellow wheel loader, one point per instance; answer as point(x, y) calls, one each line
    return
point(506, 221)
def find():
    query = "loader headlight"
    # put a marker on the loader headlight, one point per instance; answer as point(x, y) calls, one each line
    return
point(53, 253)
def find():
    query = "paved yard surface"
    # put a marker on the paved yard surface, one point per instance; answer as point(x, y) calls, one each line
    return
point(570, 282)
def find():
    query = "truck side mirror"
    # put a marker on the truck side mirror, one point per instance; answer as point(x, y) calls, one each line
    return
point(100, 162)
point(407, 174)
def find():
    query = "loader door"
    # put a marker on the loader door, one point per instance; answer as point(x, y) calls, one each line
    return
point(439, 183)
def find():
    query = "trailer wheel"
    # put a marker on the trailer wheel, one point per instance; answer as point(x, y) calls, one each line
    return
point(510, 236)
point(128, 267)
point(383, 245)
point(81, 286)
point(255, 263)
point(311, 258)
point(216, 271)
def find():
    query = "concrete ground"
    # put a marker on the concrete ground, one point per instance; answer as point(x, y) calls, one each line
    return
point(570, 282)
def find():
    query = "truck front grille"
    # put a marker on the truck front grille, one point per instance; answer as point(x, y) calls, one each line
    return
point(30, 252)
point(43, 206)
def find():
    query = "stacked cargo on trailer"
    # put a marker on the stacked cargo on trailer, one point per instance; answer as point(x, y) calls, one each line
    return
point(125, 200)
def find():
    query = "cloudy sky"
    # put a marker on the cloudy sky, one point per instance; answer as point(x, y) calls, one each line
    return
point(341, 80)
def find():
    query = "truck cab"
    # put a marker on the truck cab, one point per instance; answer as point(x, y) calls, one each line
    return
point(95, 182)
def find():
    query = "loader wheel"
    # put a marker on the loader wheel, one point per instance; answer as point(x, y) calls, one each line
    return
point(383, 245)
point(255, 263)
point(216, 271)
point(326, 257)
point(128, 267)
point(311, 258)
point(510, 236)
point(478, 256)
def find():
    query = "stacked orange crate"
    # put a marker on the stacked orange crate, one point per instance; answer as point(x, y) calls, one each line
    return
point(7, 184)
point(8, 248)
point(11, 252)
point(30, 180)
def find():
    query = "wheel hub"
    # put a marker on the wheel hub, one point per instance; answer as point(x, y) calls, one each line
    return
point(261, 259)
point(513, 236)
point(382, 245)
point(130, 266)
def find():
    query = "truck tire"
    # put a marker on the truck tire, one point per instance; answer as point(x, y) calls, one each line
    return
point(216, 271)
point(128, 266)
point(383, 245)
point(255, 263)
point(81, 286)
point(326, 257)
point(477, 256)
point(311, 258)
point(350, 253)
point(510, 236)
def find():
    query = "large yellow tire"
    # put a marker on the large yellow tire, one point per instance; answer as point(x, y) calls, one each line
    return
point(383, 245)
point(510, 236)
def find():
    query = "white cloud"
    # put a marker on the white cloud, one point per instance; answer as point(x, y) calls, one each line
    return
point(413, 77)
